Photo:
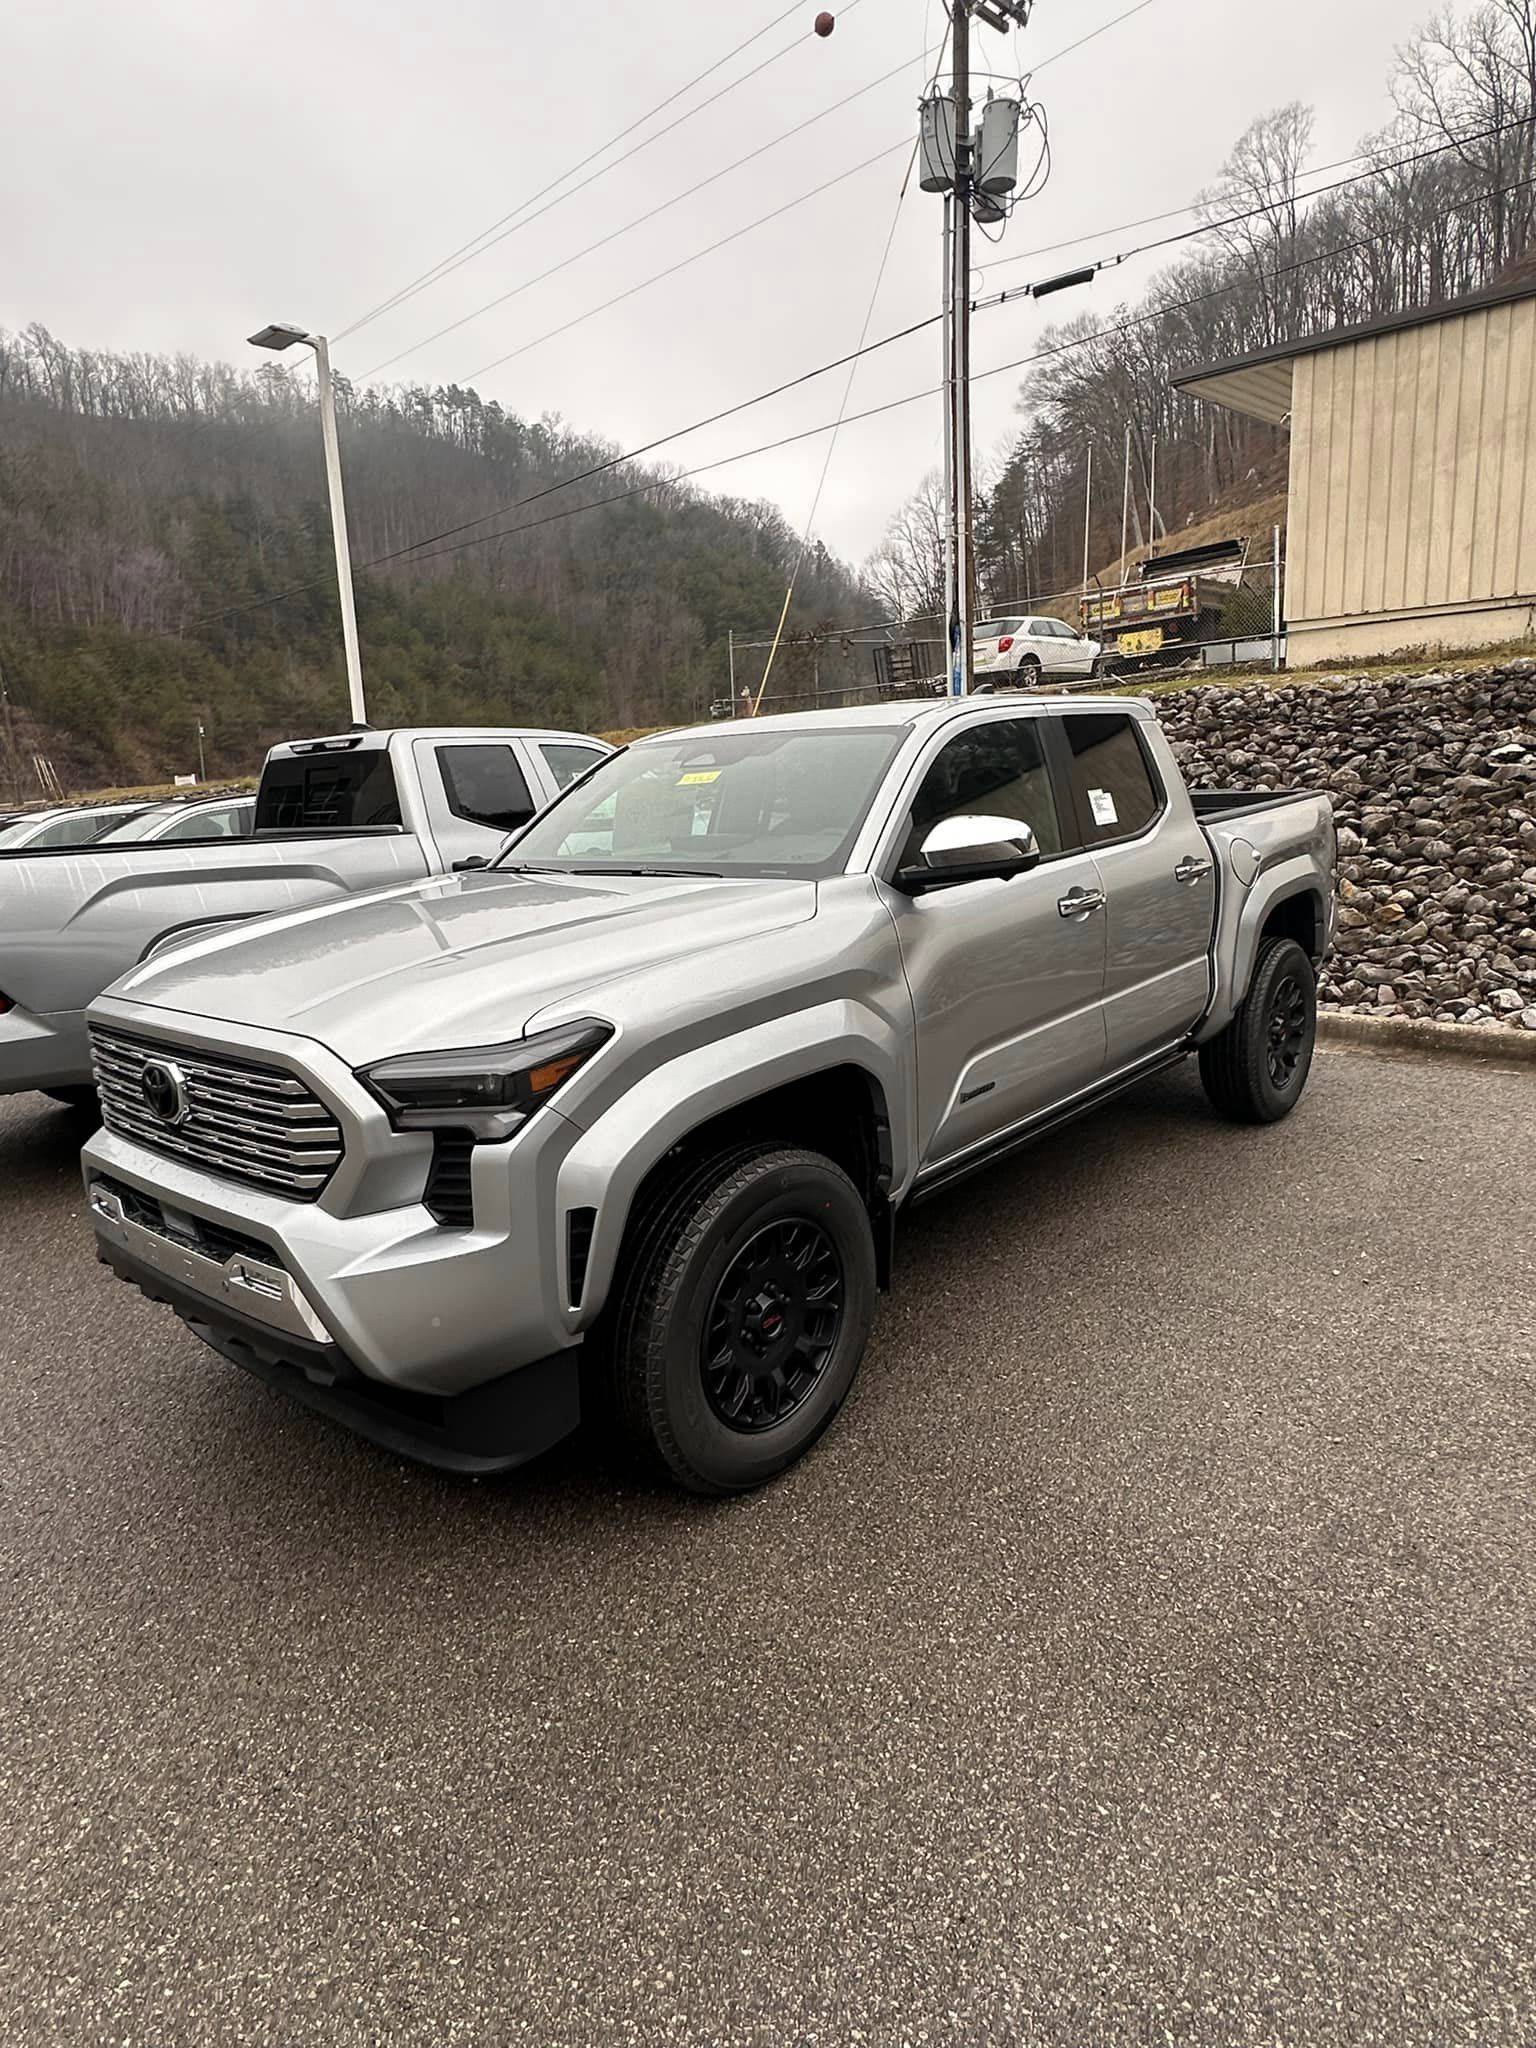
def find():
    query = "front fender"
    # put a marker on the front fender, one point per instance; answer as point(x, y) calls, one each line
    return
point(604, 1168)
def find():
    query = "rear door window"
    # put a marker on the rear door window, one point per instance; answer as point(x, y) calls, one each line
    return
point(485, 784)
point(1113, 784)
point(338, 792)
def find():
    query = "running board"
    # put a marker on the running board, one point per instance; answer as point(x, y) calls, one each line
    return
point(946, 1174)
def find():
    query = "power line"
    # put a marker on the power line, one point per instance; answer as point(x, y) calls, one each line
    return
point(1001, 370)
point(672, 269)
point(466, 251)
point(613, 462)
point(821, 482)
point(491, 304)
point(1253, 212)
point(694, 186)
point(790, 384)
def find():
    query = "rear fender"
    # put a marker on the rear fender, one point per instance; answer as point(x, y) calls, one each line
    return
point(1243, 911)
point(604, 1168)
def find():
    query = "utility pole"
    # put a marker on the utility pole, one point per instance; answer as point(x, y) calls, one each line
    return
point(1125, 500)
point(949, 152)
point(202, 770)
point(1087, 516)
point(954, 680)
point(961, 647)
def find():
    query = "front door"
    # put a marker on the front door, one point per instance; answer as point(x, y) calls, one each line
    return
point(1006, 976)
point(1159, 884)
point(478, 791)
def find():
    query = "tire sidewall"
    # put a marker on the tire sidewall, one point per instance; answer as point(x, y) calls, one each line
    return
point(1279, 962)
point(726, 1459)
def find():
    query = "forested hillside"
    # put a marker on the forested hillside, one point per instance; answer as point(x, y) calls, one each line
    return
point(1446, 205)
point(165, 558)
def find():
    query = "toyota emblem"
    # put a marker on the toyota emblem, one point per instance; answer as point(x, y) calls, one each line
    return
point(164, 1087)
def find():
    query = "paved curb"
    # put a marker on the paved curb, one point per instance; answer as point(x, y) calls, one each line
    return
point(1434, 1041)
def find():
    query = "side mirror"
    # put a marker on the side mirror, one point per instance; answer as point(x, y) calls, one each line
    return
point(970, 849)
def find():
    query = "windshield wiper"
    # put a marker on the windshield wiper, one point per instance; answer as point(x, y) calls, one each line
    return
point(702, 874)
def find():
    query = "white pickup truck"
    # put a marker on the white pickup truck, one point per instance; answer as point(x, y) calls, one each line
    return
point(336, 815)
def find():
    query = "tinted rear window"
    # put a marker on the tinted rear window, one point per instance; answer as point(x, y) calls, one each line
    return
point(327, 793)
point(1115, 790)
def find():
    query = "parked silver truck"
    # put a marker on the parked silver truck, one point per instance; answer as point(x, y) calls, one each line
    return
point(333, 816)
point(652, 1090)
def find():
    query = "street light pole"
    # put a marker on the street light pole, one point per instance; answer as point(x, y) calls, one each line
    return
point(280, 337)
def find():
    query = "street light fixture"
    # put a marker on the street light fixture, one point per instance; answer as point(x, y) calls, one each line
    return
point(280, 335)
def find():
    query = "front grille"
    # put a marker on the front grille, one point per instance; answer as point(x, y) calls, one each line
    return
point(248, 1122)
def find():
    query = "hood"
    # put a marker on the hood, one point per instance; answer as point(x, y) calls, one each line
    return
point(459, 960)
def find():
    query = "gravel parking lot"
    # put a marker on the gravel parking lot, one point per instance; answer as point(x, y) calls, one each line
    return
point(1144, 1658)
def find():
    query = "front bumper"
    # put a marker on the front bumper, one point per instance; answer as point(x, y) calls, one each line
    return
point(492, 1428)
point(417, 1308)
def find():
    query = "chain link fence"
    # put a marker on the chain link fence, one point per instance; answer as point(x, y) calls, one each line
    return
point(1173, 621)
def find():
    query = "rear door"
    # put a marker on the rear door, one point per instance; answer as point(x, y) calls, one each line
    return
point(1158, 879)
point(1006, 976)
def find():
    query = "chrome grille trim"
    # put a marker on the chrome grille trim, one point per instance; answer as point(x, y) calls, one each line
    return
point(248, 1122)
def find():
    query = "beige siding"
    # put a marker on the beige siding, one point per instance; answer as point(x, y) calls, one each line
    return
point(1412, 459)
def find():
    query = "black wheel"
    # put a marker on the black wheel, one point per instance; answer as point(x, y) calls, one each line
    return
point(1027, 674)
point(1096, 668)
point(741, 1317)
point(83, 1097)
point(1255, 1070)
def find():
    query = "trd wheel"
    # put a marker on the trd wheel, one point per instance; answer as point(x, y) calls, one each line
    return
point(1255, 1070)
point(741, 1319)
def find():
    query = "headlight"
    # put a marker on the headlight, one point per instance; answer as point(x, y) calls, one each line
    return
point(491, 1090)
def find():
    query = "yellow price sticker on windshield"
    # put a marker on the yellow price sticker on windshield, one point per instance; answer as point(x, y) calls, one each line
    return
point(699, 775)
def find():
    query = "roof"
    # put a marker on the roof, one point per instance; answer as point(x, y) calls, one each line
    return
point(1259, 385)
point(901, 711)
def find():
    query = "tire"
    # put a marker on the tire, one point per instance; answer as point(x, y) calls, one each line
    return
point(1255, 1070)
point(81, 1097)
point(762, 1258)
point(1027, 674)
point(1096, 669)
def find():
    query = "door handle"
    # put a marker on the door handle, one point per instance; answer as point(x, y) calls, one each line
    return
point(1191, 869)
point(1078, 902)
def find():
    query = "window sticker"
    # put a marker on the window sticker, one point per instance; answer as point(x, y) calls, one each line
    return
point(698, 775)
point(1103, 804)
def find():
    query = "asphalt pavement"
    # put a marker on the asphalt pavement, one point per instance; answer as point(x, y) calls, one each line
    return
point(1145, 1656)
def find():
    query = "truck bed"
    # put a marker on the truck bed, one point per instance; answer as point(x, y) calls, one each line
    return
point(1223, 805)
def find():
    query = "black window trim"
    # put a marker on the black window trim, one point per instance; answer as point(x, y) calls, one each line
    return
point(1154, 776)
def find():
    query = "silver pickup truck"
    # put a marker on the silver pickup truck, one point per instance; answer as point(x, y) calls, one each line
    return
point(654, 1088)
point(333, 816)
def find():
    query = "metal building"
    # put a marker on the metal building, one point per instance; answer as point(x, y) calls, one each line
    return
point(1412, 507)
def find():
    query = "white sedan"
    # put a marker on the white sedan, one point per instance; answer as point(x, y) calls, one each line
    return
point(1026, 650)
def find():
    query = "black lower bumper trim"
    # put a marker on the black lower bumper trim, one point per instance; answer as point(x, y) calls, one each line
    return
point(491, 1428)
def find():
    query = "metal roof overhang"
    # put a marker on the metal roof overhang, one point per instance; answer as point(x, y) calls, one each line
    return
point(1260, 390)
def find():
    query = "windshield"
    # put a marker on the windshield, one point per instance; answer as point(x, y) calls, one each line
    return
point(137, 827)
point(737, 803)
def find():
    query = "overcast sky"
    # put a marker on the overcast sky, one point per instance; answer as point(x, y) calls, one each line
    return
point(178, 173)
